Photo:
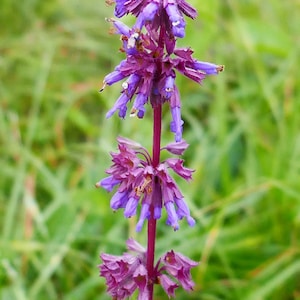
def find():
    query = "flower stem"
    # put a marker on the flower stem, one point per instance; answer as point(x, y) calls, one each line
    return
point(152, 222)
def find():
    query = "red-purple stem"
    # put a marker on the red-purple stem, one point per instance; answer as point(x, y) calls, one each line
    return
point(152, 222)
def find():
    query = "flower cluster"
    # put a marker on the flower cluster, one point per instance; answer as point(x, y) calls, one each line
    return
point(124, 274)
point(137, 180)
point(150, 70)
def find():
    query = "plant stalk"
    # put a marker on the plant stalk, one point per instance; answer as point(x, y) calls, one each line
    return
point(157, 114)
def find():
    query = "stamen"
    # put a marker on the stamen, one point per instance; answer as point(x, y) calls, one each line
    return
point(144, 187)
point(103, 87)
point(220, 68)
point(109, 2)
point(97, 185)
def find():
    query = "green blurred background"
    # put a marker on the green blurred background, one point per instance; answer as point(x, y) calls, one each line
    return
point(242, 127)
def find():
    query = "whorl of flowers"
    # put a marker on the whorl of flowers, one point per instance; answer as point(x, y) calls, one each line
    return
point(124, 274)
point(152, 58)
point(138, 181)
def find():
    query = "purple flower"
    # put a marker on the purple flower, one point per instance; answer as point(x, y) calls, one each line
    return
point(168, 285)
point(139, 182)
point(178, 266)
point(177, 148)
point(151, 72)
point(124, 274)
point(127, 273)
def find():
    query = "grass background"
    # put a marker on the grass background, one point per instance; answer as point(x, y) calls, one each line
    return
point(242, 127)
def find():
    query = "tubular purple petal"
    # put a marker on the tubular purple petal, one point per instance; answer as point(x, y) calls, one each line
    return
point(157, 212)
point(119, 200)
point(131, 206)
point(129, 143)
point(182, 208)
point(140, 277)
point(113, 77)
point(145, 214)
point(122, 111)
point(168, 285)
point(119, 104)
point(108, 183)
point(120, 9)
point(207, 68)
point(187, 9)
point(138, 105)
point(130, 85)
point(175, 99)
point(172, 216)
point(176, 165)
point(143, 294)
point(133, 245)
point(191, 221)
point(177, 148)
point(176, 19)
point(147, 14)
point(141, 113)
point(184, 211)
point(177, 123)
point(120, 27)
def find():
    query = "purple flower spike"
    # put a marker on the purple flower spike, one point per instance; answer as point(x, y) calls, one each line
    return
point(150, 71)
point(143, 183)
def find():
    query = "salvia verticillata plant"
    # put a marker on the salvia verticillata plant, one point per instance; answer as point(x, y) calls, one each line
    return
point(140, 181)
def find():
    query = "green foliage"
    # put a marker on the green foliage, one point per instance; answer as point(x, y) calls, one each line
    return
point(243, 128)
